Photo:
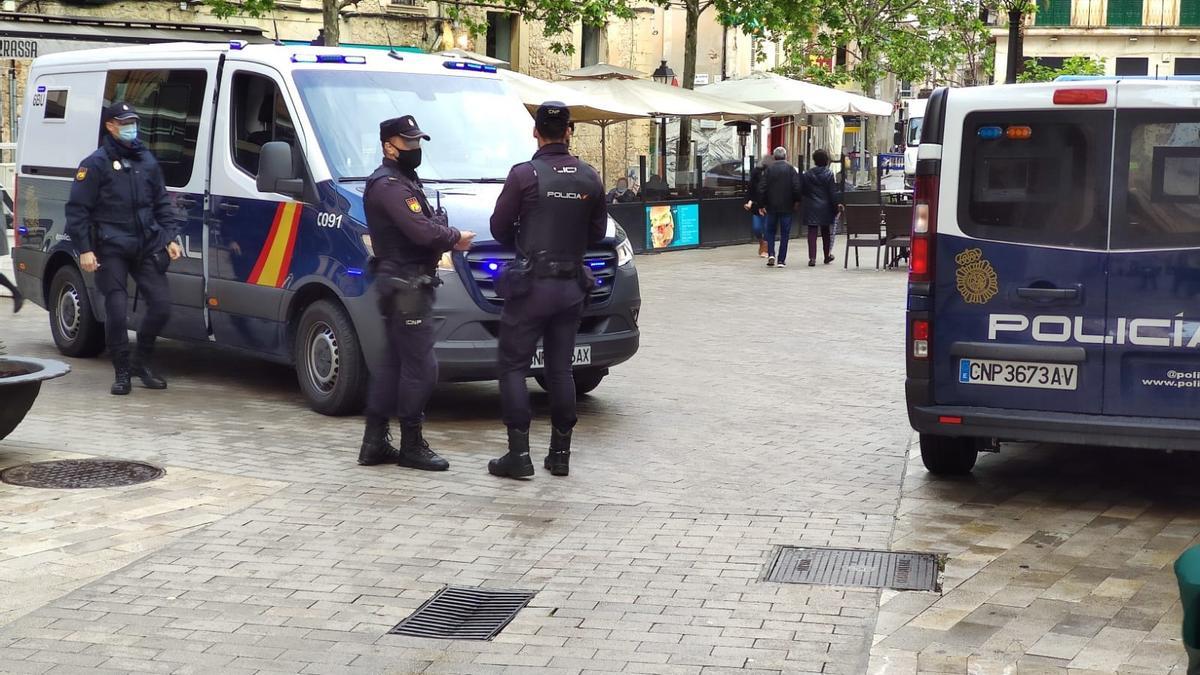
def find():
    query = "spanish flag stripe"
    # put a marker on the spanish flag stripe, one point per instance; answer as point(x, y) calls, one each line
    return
point(291, 246)
point(273, 271)
point(266, 251)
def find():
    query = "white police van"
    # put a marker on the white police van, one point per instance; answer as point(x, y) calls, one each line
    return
point(266, 148)
point(1054, 289)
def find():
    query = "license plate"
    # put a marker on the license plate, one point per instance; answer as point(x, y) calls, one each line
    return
point(581, 357)
point(1019, 374)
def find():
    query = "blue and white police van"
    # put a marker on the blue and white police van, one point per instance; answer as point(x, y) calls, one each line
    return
point(1054, 289)
point(265, 149)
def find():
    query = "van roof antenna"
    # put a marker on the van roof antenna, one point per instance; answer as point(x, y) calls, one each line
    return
point(391, 47)
point(276, 27)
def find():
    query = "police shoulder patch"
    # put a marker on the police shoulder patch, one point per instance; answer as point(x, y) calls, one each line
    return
point(414, 204)
point(81, 173)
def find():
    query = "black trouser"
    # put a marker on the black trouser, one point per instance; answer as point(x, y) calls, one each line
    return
point(117, 263)
point(404, 380)
point(551, 311)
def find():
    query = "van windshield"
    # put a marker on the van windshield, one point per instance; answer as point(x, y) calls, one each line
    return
point(479, 129)
point(914, 130)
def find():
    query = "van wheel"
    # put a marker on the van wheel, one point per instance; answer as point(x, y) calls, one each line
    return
point(73, 324)
point(948, 455)
point(329, 360)
point(586, 381)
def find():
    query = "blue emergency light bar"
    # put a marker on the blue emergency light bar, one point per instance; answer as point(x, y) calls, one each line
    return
point(237, 45)
point(990, 133)
point(328, 58)
point(469, 66)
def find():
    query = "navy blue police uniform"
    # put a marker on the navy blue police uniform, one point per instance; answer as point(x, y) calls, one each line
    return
point(408, 238)
point(551, 209)
point(119, 209)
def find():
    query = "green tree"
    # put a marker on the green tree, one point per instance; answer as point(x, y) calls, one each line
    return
point(1075, 65)
point(911, 39)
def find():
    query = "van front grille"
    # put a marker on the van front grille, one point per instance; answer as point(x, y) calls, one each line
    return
point(484, 264)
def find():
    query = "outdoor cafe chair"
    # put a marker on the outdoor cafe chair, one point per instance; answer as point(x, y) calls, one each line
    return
point(897, 224)
point(863, 230)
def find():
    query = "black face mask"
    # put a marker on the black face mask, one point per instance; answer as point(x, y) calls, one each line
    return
point(409, 159)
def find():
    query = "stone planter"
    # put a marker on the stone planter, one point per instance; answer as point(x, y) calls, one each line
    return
point(21, 379)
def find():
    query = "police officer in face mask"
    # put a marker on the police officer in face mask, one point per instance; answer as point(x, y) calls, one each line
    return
point(551, 209)
point(123, 224)
point(408, 237)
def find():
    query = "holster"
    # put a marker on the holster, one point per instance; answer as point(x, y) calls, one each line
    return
point(407, 296)
point(515, 280)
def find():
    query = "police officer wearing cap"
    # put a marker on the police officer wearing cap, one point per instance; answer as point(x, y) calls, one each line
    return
point(551, 209)
point(123, 224)
point(408, 238)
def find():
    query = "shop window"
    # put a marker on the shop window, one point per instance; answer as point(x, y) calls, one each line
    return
point(589, 51)
point(1133, 66)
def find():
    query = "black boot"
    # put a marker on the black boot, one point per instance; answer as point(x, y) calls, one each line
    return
point(516, 464)
point(415, 453)
point(142, 369)
point(376, 444)
point(18, 299)
point(558, 462)
point(122, 384)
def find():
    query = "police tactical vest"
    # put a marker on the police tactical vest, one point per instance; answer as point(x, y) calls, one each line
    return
point(556, 228)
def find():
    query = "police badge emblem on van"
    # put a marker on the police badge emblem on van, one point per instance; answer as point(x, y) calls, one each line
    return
point(976, 278)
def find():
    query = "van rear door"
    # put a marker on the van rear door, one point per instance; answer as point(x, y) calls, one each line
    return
point(1020, 274)
point(1153, 365)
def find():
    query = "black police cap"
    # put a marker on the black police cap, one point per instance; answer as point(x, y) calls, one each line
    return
point(120, 111)
point(553, 112)
point(404, 127)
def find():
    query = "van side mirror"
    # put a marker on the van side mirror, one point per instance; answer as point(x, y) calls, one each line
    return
point(276, 171)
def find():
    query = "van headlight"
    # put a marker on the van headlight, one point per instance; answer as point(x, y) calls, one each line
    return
point(624, 248)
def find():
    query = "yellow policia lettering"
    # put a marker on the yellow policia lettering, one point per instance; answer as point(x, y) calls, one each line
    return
point(976, 278)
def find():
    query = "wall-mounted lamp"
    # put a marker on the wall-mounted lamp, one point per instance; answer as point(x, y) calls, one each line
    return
point(1053, 39)
point(1133, 39)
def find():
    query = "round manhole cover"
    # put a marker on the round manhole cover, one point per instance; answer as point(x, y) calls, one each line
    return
point(80, 473)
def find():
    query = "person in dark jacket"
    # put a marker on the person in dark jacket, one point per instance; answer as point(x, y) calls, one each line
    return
point(408, 237)
point(778, 196)
point(822, 203)
point(550, 210)
point(122, 223)
point(621, 194)
point(758, 221)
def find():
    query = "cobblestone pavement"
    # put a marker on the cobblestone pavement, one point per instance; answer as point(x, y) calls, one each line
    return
point(765, 409)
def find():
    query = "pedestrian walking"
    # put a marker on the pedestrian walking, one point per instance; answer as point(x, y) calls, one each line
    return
point(18, 300)
point(123, 224)
point(758, 222)
point(558, 202)
point(408, 237)
point(822, 204)
point(779, 196)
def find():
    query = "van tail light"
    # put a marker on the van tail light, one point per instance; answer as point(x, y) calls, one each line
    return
point(17, 223)
point(1081, 97)
point(920, 339)
point(924, 227)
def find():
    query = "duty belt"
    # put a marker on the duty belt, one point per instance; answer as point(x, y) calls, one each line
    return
point(556, 269)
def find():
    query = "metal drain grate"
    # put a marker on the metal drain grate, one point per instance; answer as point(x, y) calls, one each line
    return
point(464, 614)
point(71, 474)
point(850, 567)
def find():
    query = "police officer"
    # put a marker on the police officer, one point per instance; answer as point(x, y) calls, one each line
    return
point(558, 202)
point(123, 224)
point(408, 238)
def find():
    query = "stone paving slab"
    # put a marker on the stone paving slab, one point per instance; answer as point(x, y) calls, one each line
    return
point(1059, 561)
point(695, 461)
